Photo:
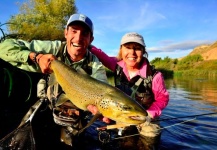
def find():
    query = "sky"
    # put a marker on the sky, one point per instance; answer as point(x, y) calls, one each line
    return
point(171, 28)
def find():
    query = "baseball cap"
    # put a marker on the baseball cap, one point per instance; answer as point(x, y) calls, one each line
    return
point(80, 18)
point(132, 37)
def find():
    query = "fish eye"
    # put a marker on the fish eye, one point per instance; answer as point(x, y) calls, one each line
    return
point(125, 107)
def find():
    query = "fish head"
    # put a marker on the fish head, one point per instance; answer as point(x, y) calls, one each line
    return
point(121, 108)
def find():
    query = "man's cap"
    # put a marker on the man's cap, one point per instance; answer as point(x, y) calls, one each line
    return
point(80, 18)
point(132, 37)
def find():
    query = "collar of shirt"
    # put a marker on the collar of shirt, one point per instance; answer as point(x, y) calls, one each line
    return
point(69, 62)
point(141, 72)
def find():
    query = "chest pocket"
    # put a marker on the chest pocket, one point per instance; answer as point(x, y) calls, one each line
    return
point(138, 88)
point(142, 91)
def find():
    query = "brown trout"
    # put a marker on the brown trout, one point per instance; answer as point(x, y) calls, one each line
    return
point(82, 90)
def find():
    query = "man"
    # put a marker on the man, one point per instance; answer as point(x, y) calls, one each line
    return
point(36, 57)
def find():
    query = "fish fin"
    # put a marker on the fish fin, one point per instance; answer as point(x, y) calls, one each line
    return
point(61, 99)
point(65, 137)
point(52, 80)
point(81, 71)
point(95, 117)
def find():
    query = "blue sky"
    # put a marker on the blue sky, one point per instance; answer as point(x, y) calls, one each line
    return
point(170, 27)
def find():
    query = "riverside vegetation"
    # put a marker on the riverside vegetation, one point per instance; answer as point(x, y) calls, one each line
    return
point(202, 61)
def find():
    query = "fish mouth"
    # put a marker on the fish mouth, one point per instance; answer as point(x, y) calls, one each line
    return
point(141, 118)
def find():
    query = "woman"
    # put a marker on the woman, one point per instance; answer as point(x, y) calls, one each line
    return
point(135, 77)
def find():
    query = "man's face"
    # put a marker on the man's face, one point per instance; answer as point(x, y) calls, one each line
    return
point(78, 38)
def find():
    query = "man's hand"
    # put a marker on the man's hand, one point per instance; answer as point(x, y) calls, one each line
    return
point(93, 109)
point(43, 60)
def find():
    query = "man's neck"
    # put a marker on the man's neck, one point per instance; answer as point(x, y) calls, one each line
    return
point(75, 57)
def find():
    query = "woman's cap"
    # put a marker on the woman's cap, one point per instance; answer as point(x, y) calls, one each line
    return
point(132, 37)
point(81, 18)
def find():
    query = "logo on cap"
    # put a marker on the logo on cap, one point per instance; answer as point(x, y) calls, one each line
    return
point(134, 35)
point(82, 17)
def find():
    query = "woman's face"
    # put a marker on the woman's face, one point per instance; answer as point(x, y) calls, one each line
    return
point(132, 54)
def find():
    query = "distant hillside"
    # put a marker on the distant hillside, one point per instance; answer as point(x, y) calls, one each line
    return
point(208, 52)
point(202, 61)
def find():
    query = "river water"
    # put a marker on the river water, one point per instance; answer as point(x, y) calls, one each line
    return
point(190, 96)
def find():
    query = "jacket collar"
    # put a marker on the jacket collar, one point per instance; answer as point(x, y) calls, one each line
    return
point(141, 72)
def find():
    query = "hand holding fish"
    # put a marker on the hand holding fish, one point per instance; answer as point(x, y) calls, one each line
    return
point(93, 109)
point(44, 61)
point(108, 100)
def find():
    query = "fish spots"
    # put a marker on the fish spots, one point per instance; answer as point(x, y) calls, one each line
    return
point(114, 105)
point(104, 104)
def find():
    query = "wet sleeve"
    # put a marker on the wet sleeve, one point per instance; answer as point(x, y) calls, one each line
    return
point(161, 96)
point(16, 52)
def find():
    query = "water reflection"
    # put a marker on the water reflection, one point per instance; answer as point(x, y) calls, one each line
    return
point(190, 96)
point(204, 89)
